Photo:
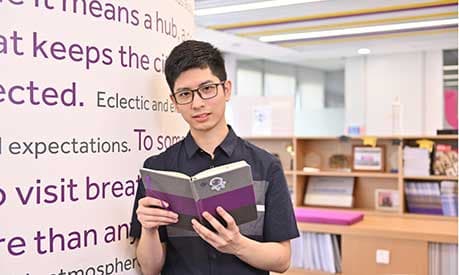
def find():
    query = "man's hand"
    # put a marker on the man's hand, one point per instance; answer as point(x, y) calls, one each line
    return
point(151, 213)
point(226, 240)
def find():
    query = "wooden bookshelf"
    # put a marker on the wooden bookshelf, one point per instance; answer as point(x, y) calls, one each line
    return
point(440, 230)
point(400, 232)
point(289, 172)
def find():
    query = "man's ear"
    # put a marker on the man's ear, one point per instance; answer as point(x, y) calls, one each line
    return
point(228, 86)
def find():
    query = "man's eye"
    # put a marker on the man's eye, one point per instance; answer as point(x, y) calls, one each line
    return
point(206, 88)
point(184, 94)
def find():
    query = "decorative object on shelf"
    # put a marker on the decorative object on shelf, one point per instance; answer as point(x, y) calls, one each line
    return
point(397, 111)
point(312, 159)
point(387, 200)
point(392, 160)
point(340, 162)
point(355, 130)
point(365, 158)
point(344, 138)
point(425, 144)
point(370, 141)
point(291, 152)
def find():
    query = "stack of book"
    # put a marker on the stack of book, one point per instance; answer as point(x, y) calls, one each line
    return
point(448, 190)
point(416, 161)
point(330, 191)
point(432, 197)
point(423, 197)
point(317, 251)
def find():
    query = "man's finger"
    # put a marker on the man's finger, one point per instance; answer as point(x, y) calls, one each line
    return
point(214, 222)
point(227, 217)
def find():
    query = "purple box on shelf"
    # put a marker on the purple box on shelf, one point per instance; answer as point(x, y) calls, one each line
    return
point(327, 216)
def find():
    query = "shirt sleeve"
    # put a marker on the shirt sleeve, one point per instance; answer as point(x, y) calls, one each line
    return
point(280, 223)
point(136, 227)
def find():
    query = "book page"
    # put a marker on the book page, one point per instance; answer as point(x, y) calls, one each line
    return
point(219, 169)
point(168, 173)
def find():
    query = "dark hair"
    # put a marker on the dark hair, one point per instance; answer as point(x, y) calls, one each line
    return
point(192, 54)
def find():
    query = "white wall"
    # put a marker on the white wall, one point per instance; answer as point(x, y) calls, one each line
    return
point(311, 89)
point(433, 100)
point(355, 95)
point(373, 83)
point(70, 154)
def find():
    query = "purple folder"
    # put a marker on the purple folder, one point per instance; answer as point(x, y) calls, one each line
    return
point(327, 216)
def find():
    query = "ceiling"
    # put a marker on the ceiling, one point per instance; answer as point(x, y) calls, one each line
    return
point(239, 32)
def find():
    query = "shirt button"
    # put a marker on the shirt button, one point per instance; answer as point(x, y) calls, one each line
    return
point(213, 255)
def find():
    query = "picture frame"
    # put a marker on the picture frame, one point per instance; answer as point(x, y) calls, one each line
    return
point(387, 200)
point(368, 159)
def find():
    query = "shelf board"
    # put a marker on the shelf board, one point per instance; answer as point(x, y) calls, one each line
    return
point(395, 227)
point(289, 172)
point(432, 217)
point(432, 137)
point(299, 271)
point(438, 137)
point(349, 174)
point(432, 177)
point(365, 211)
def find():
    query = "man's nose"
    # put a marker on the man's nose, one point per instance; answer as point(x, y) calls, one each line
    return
point(197, 100)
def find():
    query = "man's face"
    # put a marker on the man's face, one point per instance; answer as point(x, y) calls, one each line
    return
point(202, 114)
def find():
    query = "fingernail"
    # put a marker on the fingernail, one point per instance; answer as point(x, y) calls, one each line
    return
point(164, 204)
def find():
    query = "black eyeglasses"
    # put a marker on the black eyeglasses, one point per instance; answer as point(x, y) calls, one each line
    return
point(206, 91)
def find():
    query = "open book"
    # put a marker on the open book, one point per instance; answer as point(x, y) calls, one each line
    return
point(229, 186)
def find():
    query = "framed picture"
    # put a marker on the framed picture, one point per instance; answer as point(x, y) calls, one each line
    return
point(386, 200)
point(366, 158)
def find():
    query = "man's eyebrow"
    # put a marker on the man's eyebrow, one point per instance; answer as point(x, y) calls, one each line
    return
point(200, 84)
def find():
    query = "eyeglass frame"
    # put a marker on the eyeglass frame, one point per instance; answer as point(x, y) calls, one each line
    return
point(193, 91)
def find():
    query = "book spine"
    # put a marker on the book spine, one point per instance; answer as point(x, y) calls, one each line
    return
point(196, 199)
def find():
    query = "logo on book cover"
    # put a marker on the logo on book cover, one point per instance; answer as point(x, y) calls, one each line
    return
point(217, 184)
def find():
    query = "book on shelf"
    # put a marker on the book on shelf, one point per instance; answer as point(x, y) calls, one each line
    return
point(448, 190)
point(443, 258)
point(321, 252)
point(423, 198)
point(229, 186)
point(416, 161)
point(330, 191)
point(445, 162)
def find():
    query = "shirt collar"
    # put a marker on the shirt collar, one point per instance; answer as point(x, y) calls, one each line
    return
point(228, 144)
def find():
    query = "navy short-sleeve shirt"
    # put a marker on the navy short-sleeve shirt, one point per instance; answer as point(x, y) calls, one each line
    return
point(187, 253)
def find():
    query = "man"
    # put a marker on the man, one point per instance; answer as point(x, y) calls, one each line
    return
point(196, 75)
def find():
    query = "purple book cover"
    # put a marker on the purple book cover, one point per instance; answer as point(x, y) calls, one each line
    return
point(229, 186)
